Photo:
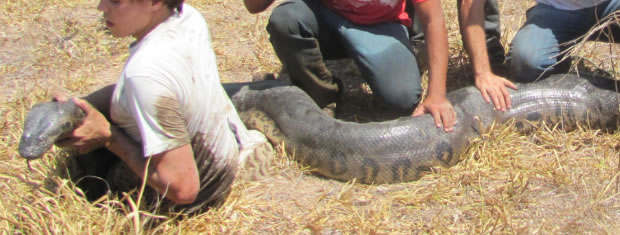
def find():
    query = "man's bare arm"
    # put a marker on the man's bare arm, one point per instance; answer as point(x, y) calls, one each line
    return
point(173, 172)
point(492, 87)
point(436, 36)
point(472, 29)
point(100, 99)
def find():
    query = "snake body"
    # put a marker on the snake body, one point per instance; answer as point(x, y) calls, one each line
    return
point(399, 150)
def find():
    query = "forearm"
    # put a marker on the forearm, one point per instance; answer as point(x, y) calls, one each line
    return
point(101, 99)
point(130, 152)
point(472, 31)
point(172, 173)
point(438, 66)
point(256, 6)
point(437, 46)
point(118, 142)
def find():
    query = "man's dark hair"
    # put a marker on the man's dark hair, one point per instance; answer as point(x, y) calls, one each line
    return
point(173, 4)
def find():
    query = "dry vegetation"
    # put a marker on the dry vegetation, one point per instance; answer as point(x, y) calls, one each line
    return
point(549, 181)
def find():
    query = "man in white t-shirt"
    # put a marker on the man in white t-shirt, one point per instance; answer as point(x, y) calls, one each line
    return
point(549, 27)
point(168, 109)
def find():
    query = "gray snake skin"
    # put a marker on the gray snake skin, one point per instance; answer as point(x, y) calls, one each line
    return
point(392, 151)
point(45, 124)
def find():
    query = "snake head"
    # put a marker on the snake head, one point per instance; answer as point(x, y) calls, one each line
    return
point(45, 124)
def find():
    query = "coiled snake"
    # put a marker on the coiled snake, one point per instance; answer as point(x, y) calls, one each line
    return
point(378, 152)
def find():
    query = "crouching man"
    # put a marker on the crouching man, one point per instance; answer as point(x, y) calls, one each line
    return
point(171, 122)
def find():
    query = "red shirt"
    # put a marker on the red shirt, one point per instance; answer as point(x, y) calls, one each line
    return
point(371, 11)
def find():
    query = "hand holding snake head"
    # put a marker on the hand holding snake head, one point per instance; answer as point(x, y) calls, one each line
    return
point(64, 122)
point(93, 133)
point(45, 123)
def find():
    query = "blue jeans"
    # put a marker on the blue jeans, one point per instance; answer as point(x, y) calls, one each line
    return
point(304, 32)
point(536, 47)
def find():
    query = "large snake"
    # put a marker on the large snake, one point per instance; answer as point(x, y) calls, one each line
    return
point(379, 152)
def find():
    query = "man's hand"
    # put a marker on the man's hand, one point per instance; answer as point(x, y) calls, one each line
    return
point(441, 109)
point(94, 131)
point(493, 88)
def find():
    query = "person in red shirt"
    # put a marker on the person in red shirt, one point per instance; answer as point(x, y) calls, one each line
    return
point(374, 34)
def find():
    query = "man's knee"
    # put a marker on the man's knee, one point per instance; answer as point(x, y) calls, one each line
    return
point(398, 89)
point(521, 68)
point(402, 100)
point(285, 19)
point(527, 65)
point(278, 23)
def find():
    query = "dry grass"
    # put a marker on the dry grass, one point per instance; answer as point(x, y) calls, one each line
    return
point(545, 182)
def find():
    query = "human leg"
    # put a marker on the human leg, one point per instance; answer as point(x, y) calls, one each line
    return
point(612, 32)
point(536, 48)
point(295, 32)
point(89, 172)
point(384, 57)
point(492, 29)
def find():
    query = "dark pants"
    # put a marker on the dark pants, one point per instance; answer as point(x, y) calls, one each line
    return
point(101, 172)
point(304, 32)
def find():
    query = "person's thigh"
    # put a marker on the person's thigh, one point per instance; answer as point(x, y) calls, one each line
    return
point(384, 56)
point(537, 46)
point(611, 33)
point(297, 24)
point(293, 20)
point(611, 7)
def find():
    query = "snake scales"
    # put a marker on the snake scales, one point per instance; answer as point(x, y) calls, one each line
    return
point(378, 152)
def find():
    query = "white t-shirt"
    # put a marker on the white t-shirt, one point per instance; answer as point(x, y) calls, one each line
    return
point(169, 95)
point(571, 5)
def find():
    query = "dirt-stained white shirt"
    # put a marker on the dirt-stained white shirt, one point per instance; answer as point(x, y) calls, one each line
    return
point(169, 95)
